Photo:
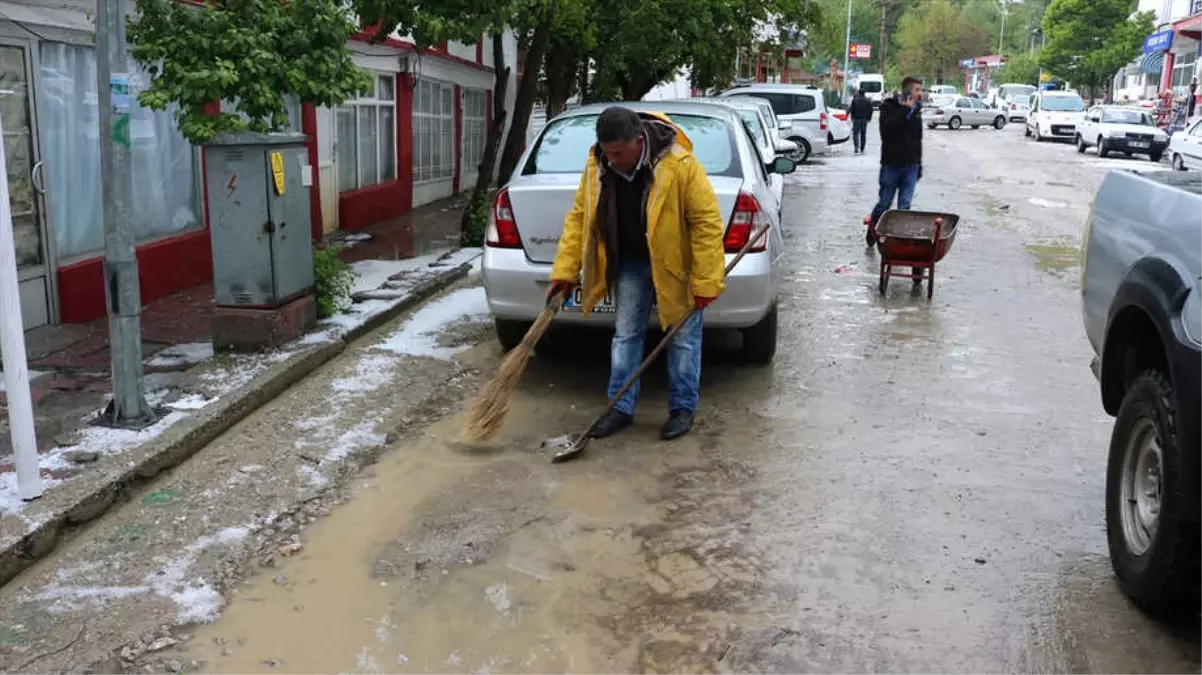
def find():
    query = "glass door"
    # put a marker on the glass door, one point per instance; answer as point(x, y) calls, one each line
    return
point(22, 152)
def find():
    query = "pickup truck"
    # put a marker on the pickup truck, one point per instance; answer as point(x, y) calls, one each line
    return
point(1142, 307)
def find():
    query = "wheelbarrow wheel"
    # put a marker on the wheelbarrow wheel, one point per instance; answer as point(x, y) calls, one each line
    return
point(884, 283)
point(930, 282)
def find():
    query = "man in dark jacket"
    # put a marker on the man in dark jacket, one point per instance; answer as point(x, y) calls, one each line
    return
point(861, 115)
point(901, 151)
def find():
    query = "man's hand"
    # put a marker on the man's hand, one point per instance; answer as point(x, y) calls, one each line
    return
point(562, 288)
point(910, 101)
point(701, 303)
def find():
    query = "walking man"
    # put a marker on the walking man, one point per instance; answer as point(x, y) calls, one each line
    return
point(901, 151)
point(861, 115)
point(674, 260)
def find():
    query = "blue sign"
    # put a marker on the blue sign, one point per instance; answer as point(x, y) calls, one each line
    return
point(968, 63)
point(1158, 42)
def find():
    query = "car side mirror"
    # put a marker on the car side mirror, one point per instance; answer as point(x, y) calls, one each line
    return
point(783, 166)
point(785, 125)
point(1095, 119)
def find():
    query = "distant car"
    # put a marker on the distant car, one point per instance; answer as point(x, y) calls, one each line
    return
point(802, 106)
point(783, 146)
point(957, 111)
point(1121, 129)
point(1185, 147)
point(1055, 115)
point(528, 214)
point(761, 132)
point(942, 89)
point(873, 86)
point(1014, 99)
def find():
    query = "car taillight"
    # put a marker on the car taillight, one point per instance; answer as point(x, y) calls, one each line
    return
point(939, 111)
point(502, 228)
point(1014, 106)
point(743, 222)
point(822, 122)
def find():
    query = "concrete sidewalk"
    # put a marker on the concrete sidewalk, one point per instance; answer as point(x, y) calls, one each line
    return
point(85, 469)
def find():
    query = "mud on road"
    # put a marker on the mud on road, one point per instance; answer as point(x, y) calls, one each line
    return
point(910, 487)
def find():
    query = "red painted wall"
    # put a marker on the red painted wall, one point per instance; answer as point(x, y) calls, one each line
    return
point(164, 267)
point(309, 128)
point(362, 208)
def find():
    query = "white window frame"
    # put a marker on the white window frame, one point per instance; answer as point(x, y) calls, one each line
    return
point(430, 97)
point(1182, 64)
point(475, 127)
point(382, 96)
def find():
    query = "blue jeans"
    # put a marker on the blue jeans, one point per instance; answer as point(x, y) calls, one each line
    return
point(859, 133)
point(635, 297)
point(899, 181)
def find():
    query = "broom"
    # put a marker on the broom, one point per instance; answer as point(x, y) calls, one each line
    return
point(488, 411)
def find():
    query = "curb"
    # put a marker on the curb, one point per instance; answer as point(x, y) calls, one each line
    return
point(76, 503)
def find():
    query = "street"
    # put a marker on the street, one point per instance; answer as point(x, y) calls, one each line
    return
point(910, 487)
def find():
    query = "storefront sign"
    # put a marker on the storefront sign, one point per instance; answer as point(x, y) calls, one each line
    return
point(859, 50)
point(968, 63)
point(1160, 41)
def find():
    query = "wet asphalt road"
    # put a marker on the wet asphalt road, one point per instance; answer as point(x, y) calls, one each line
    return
point(912, 486)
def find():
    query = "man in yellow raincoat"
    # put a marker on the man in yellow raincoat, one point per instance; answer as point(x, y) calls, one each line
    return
point(646, 224)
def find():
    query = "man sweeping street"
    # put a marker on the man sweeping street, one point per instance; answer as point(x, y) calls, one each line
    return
point(646, 225)
point(901, 152)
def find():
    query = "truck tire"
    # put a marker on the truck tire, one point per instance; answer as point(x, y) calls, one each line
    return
point(759, 341)
point(510, 333)
point(1154, 546)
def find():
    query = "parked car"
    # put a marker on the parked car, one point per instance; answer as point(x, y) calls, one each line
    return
point(956, 111)
point(1014, 99)
point(1118, 129)
point(1185, 147)
point(783, 145)
point(873, 86)
point(942, 90)
point(1143, 316)
point(761, 132)
point(528, 215)
point(839, 129)
point(802, 106)
point(1055, 115)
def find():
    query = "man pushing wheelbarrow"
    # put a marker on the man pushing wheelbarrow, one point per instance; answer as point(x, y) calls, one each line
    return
point(901, 153)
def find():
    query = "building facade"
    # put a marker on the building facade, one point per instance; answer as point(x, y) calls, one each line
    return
point(415, 138)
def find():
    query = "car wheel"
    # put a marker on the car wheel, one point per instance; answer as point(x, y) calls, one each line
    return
point(1103, 151)
point(759, 341)
point(510, 333)
point(953, 123)
point(803, 149)
point(1080, 144)
point(1154, 548)
point(1027, 130)
point(976, 126)
point(999, 122)
point(930, 126)
point(1038, 134)
point(1156, 157)
point(1178, 162)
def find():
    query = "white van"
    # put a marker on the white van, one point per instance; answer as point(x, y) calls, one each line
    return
point(873, 86)
point(800, 109)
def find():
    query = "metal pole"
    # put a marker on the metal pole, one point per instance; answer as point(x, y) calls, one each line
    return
point(128, 407)
point(12, 349)
point(846, 54)
point(1001, 33)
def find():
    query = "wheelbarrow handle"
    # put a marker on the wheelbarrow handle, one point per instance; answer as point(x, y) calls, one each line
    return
point(663, 343)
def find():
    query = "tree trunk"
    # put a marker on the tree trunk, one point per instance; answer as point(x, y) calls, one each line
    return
point(561, 75)
point(515, 143)
point(496, 128)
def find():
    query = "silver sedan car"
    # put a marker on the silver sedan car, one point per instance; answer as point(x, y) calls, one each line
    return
point(528, 215)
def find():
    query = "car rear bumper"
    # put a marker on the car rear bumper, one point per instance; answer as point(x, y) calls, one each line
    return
point(517, 290)
point(1124, 145)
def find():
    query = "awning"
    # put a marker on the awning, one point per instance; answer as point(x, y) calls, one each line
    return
point(1191, 27)
point(1152, 64)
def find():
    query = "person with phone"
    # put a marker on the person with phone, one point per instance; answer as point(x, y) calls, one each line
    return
point(901, 151)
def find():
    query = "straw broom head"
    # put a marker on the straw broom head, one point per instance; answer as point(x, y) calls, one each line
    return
point(487, 414)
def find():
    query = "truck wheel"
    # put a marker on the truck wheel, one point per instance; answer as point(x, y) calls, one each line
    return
point(1154, 548)
point(759, 341)
point(510, 333)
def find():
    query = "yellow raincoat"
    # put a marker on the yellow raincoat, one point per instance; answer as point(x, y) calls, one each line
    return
point(684, 234)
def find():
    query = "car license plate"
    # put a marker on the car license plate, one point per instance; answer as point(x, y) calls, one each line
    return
point(1138, 144)
point(605, 306)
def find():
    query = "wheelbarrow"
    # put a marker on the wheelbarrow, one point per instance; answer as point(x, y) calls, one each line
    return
point(915, 240)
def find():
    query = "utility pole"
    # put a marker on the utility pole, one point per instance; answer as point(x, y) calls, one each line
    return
point(846, 54)
point(128, 407)
point(1001, 33)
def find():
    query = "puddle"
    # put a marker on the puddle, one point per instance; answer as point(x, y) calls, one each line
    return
point(1055, 256)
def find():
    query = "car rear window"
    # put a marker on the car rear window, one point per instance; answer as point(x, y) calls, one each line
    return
point(752, 120)
point(564, 145)
point(870, 87)
point(1127, 117)
point(786, 104)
